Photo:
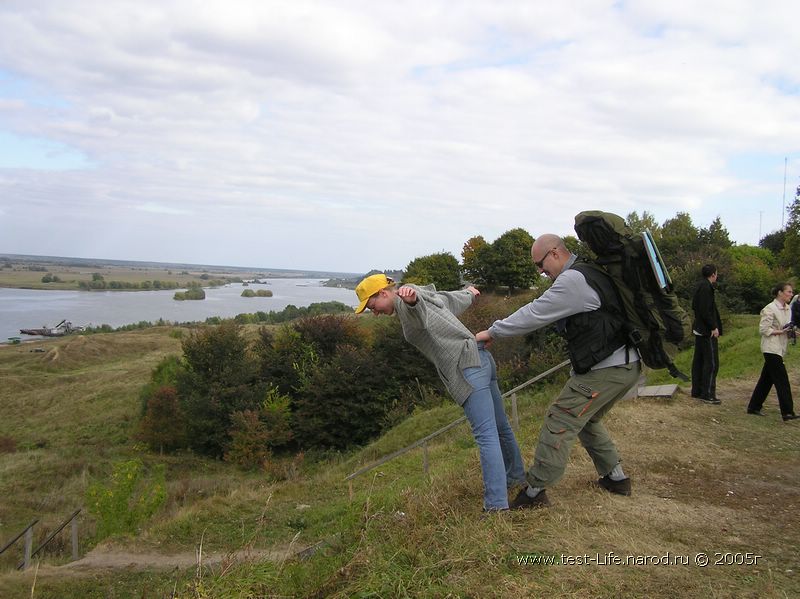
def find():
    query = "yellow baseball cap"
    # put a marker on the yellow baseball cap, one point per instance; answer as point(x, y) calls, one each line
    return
point(369, 287)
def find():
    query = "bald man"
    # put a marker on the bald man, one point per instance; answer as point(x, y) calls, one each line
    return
point(583, 304)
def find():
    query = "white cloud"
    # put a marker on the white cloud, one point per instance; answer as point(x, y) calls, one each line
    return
point(349, 135)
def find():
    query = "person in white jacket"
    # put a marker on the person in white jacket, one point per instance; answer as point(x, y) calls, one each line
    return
point(774, 341)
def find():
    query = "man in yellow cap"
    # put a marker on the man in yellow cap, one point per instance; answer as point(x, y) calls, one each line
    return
point(468, 371)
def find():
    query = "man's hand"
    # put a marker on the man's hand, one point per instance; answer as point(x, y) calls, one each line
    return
point(473, 291)
point(408, 295)
point(715, 333)
point(485, 337)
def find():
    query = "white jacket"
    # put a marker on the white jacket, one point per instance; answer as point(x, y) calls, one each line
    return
point(773, 318)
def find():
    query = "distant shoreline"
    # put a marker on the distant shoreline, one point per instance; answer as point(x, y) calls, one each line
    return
point(59, 273)
point(282, 273)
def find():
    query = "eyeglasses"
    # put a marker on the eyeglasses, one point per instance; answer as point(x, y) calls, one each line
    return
point(540, 263)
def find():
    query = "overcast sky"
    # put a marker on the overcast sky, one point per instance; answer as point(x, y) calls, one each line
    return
point(346, 136)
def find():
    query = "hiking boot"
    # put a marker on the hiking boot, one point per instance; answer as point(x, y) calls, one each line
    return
point(756, 412)
point(522, 501)
point(618, 487)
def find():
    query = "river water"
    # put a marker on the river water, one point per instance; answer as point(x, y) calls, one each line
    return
point(27, 308)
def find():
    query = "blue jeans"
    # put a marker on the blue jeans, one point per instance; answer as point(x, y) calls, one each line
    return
point(501, 462)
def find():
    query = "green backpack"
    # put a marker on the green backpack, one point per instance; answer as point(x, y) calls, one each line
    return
point(644, 289)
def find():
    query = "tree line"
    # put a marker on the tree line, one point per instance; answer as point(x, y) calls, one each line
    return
point(746, 272)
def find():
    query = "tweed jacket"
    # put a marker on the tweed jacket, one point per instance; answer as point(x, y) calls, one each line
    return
point(431, 326)
point(773, 318)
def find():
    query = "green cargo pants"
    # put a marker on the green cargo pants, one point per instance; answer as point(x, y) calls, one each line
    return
point(577, 412)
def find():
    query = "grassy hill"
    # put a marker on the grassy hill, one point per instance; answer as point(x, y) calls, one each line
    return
point(707, 479)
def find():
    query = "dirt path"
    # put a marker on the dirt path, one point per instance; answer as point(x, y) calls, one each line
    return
point(110, 558)
point(100, 559)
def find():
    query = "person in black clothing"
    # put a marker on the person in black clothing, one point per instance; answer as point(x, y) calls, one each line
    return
point(707, 327)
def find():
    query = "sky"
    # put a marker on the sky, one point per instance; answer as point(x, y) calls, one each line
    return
point(348, 136)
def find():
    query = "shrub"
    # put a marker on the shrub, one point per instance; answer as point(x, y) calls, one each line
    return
point(254, 433)
point(249, 437)
point(165, 374)
point(343, 402)
point(327, 332)
point(128, 500)
point(193, 293)
point(163, 426)
point(220, 377)
point(284, 359)
point(277, 417)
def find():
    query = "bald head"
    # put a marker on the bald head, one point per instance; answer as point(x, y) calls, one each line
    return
point(550, 254)
point(546, 242)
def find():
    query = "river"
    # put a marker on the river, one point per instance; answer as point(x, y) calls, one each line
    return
point(33, 308)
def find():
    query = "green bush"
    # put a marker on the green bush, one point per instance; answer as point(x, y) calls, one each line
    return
point(129, 498)
point(343, 402)
point(193, 293)
point(253, 434)
point(249, 438)
point(220, 377)
point(284, 358)
point(328, 332)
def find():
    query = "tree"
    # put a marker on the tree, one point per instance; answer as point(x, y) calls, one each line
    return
point(441, 270)
point(511, 260)
point(576, 246)
point(328, 331)
point(790, 256)
point(715, 235)
point(474, 263)
point(163, 426)
point(751, 278)
point(220, 377)
point(773, 242)
point(647, 222)
point(343, 403)
point(678, 235)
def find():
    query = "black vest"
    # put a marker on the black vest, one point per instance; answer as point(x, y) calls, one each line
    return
point(593, 336)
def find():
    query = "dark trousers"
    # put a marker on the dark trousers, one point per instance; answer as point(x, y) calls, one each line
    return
point(705, 366)
point(773, 373)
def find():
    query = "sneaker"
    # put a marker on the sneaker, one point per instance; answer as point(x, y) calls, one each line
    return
point(523, 501)
point(618, 487)
point(493, 511)
point(756, 412)
point(712, 400)
point(791, 416)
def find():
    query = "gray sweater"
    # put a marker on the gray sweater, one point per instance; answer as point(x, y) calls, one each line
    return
point(432, 327)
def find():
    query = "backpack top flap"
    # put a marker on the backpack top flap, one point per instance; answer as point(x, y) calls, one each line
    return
point(603, 232)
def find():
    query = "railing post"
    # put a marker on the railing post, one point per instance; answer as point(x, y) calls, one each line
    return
point(28, 547)
point(425, 458)
point(74, 539)
point(514, 413)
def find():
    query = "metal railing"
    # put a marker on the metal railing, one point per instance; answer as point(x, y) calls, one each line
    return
point(28, 532)
point(423, 442)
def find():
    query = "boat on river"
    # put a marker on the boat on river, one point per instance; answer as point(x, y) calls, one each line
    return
point(64, 327)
